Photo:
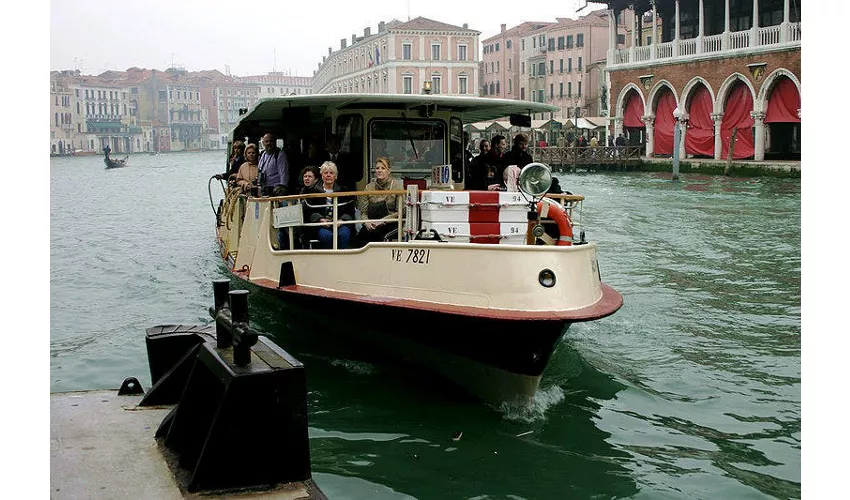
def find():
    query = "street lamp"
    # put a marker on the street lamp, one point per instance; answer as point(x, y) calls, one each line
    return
point(677, 134)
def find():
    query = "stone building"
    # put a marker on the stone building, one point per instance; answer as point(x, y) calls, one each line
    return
point(718, 69)
point(560, 63)
point(148, 110)
point(400, 58)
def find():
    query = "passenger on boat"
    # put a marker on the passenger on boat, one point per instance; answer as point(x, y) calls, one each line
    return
point(237, 158)
point(246, 176)
point(379, 206)
point(324, 212)
point(512, 178)
point(481, 173)
point(518, 155)
point(309, 184)
point(345, 166)
point(274, 168)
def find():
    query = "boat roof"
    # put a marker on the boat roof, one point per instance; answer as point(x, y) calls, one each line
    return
point(473, 109)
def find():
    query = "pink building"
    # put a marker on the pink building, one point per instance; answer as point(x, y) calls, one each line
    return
point(400, 58)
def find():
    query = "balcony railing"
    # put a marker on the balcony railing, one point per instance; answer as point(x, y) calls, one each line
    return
point(713, 43)
point(687, 47)
point(664, 50)
point(739, 40)
point(726, 43)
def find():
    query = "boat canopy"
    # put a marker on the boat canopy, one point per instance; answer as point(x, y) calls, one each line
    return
point(471, 109)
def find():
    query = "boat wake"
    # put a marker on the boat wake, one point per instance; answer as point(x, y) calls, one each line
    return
point(535, 409)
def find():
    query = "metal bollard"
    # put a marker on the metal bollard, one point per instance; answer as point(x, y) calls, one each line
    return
point(243, 335)
point(223, 335)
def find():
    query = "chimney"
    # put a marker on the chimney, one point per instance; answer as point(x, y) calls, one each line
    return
point(503, 27)
point(323, 59)
point(381, 27)
point(330, 51)
point(353, 38)
point(465, 26)
point(367, 32)
point(342, 44)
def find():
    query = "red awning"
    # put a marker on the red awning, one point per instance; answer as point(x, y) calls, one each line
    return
point(664, 123)
point(634, 111)
point(739, 104)
point(783, 103)
point(699, 139)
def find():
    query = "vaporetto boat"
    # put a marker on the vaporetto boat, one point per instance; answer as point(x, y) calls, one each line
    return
point(477, 286)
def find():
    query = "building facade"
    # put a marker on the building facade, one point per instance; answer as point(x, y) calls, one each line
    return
point(400, 58)
point(725, 72)
point(142, 110)
point(560, 63)
point(501, 76)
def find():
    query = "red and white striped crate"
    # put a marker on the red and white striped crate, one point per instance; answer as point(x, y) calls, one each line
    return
point(473, 206)
point(504, 233)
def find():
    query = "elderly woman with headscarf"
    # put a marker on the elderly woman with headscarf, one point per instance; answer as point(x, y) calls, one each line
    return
point(379, 206)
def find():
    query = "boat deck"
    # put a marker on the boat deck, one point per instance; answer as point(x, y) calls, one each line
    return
point(102, 446)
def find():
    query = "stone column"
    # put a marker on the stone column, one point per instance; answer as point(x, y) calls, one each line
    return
point(718, 142)
point(758, 137)
point(754, 31)
point(634, 37)
point(618, 126)
point(724, 41)
point(676, 35)
point(649, 120)
point(654, 31)
point(785, 27)
point(612, 35)
point(701, 32)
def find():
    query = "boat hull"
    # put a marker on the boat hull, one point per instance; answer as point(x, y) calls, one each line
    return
point(478, 314)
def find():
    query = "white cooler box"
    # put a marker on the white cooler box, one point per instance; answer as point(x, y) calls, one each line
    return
point(473, 206)
point(504, 233)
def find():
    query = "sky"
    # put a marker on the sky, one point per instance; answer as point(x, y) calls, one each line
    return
point(98, 35)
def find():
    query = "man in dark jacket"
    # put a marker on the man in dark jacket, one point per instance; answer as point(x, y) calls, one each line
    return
point(479, 172)
point(518, 155)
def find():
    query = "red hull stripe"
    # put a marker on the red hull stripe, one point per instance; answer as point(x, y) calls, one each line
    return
point(609, 303)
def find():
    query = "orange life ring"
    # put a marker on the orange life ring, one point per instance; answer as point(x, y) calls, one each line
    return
point(557, 213)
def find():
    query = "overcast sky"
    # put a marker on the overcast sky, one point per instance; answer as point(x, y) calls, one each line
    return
point(96, 35)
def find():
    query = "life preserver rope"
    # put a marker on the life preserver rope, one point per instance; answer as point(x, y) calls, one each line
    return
point(554, 211)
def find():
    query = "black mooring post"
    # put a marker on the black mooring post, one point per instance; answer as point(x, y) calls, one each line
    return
point(242, 338)
point(223, 336)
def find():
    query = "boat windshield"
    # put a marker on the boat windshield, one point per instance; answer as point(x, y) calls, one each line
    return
point(413, 146)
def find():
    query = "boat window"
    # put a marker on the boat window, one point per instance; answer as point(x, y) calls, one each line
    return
point(349, 129)
point(413, 146)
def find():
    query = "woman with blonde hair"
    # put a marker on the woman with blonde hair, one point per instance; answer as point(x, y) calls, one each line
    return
point(379, 206)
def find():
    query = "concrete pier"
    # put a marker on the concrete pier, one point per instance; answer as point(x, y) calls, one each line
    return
point(102, 446)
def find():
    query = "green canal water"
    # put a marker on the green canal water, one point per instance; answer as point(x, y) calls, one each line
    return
point(691, 390)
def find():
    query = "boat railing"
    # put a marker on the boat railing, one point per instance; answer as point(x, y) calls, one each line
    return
point(299, 199)
point(405, 220)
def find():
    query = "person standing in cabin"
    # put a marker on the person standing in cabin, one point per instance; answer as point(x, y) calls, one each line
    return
point(274, 168)
point(237, 158)
point(246, 177)
point(480, 175)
